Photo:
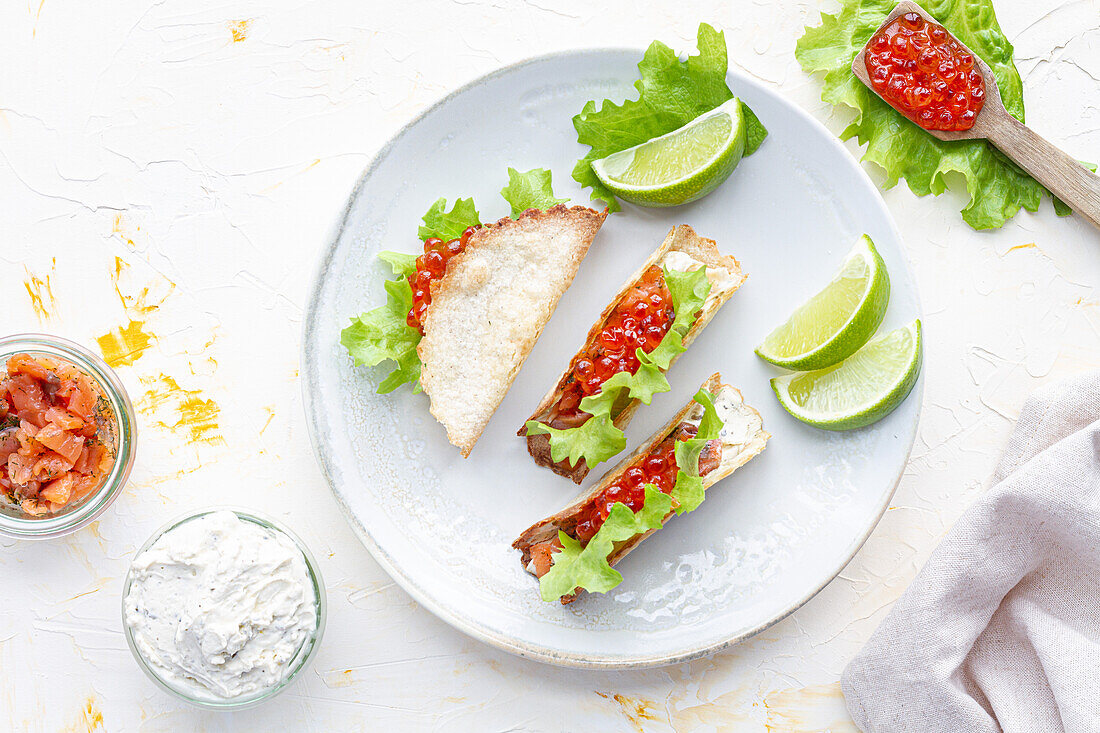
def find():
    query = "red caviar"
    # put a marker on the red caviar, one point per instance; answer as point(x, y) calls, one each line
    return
point(430, 267)
point(639, 321)
point(658, 468)
point(925, 74)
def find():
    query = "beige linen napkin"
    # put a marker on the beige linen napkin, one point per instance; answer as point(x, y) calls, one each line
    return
point(1001, 629)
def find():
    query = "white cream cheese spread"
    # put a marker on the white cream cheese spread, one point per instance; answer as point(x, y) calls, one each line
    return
point(219, 606)
point(739, 422)
point(719, 277)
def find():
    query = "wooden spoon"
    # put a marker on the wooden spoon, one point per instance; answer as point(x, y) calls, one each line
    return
point(1066, 178)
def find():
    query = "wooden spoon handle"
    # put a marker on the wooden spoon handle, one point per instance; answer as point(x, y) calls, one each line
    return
point(1067, 179)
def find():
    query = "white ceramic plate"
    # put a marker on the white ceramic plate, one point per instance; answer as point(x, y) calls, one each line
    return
point(766, 540)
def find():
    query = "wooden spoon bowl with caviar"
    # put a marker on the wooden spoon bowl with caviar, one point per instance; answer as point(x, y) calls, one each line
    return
point(939, 84)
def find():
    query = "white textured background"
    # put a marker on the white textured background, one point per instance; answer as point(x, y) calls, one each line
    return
point(172, 168)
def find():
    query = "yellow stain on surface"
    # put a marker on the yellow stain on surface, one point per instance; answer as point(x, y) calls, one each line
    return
point(811, 709)
point(732, 711)
point(239, 29)
point(637, 710)
point(270, 410)
point(1029, 245)
point(335, 678)
point(127, 228)
point(88, 720)
point(272, 187)
point(207, 364)
point(126, 344)
point(37, 15)
point(40, 291)
point(150, 488)
point(142, 302)
point(81, 595)
point(182, 411)
point(122, 229)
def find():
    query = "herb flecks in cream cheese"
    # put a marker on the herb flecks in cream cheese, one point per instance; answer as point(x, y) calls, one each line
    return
point(739, 421)
point(219, 606)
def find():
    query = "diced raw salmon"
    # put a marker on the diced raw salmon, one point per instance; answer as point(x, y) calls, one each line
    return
point(542, 555)
point(28, 399)
point(50, 466)
point(54, 456)
point(67, 445)
point(8, 444)
point(82, 399)
point(64, 419)
point(84, 484)
point(20, 468)
point(38, 369)
point(90, 458)
point(59, 490)
point(34, 507)
point(28, 446)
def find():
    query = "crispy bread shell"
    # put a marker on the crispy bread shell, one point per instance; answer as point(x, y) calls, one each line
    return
point(684, 239)
point(489, 309)
point(731, 460)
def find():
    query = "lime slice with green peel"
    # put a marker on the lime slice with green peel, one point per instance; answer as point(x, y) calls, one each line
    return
point(862, 389)
point(832, 325)
point(681, 166)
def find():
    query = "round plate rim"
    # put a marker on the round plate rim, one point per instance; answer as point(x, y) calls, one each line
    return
point(503, 641)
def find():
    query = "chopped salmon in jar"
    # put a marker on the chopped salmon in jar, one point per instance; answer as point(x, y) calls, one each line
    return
point(56, 434)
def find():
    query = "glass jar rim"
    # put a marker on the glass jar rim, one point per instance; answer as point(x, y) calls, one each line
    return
point(305, 653)
point(93, 505)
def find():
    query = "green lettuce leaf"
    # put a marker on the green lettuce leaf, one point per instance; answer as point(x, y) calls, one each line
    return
point(401, 263)
point(689, 291)
point(689, 492)
point(661, 358)
point(641, 386)
point(383, 334)
point(603, 440)
point(586, 567)
point(755, 132)
point(530, 190)
point(448, 225)
point(671, 93)
point(997, 187)
point(596, 440)
point(688, 489)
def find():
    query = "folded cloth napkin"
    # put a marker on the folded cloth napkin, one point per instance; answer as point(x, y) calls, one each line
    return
point(1001, 629)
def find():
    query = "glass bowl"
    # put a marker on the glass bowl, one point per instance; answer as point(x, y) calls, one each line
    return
point(16, 523)
point(300, 661)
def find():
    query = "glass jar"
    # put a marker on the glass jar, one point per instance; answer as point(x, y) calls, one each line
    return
point(297, 664)
point(14, 522)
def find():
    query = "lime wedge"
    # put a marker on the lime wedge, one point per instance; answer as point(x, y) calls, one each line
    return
point(861, 390)
point(832, 325)
point(681, 166)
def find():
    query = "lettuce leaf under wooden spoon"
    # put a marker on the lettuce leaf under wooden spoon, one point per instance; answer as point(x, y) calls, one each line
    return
point(997, 187)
